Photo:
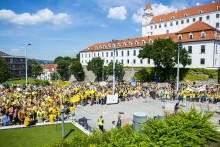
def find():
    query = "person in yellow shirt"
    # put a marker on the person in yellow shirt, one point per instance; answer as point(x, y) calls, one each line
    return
point(28, 122)
point(72, 112)
point(52, 117)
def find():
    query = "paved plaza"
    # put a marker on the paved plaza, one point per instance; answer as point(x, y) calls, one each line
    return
point(128, 108)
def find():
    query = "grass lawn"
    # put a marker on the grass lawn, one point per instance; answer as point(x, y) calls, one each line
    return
point(36, 136)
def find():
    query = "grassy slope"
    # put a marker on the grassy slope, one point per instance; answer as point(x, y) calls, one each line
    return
point(36, 136)
point(21, 82)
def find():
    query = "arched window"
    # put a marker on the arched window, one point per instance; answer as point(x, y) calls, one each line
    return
point(180, 37)
point(161, 19)
point(136, 42)
point(130, 43)
point(104, 46)
point(143, 42)
point(124, 44)
point(218, 8)
point(96, 47)
point(100, 46)
point(172, 17)
point(203, 34)
point(200, 11)
point(185, 14)
point(109, 46)
point(150, 41)
point(191, 36)
point(119, 45)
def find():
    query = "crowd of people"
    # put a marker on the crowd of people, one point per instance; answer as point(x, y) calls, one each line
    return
point(37, 104)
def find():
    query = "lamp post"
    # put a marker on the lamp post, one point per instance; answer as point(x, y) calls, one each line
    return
point(177, 77)
point(113, 82)
point(26, 64)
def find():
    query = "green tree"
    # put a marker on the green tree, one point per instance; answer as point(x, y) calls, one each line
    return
point(146, 74)
point(77, 70)
point(119, 70)
point(4, 70)
point(34, 68)
point(63, 69)
point(96, 66)
point(164, 54)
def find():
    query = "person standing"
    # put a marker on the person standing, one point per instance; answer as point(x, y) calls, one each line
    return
point(119, 121)
point(113, 125)
point(101, 124)
point(176, 107)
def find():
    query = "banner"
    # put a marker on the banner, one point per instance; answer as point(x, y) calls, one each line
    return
point(102, 83)
point(162, 84)
point(202, 88)
point(112, 99)
point(145, 84)
point(63, 83)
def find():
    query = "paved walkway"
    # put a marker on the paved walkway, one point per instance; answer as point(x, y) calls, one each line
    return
point(151, 108)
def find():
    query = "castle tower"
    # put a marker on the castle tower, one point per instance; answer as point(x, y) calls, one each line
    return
point(146, 18)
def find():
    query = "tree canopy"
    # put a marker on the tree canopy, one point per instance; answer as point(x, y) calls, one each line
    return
point(164, 54)
point(34, 68)
point(119, 70)
point(96, 66)
point(4, 70)
point(77, 70)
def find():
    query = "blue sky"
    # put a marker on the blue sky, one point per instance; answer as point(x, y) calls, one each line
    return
point(65, 27)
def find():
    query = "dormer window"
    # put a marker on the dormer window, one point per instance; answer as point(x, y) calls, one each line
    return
point(96, 47)
point(218, 8)
point(150, 41)
point(172, 17)
point(100, 46)
point(161, 19)
point(104, 46)
point(124, 44)
point(143, 42)
point(109, 46)
point(130, 43)
point(87, 48)
point(119, 45)
point(152, 21)
point(200, 11)
point(185, 14)
point(190, 36)
point(180, 37)
point(203, 34)
point(136, 42)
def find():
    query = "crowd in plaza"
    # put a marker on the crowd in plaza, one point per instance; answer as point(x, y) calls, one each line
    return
point(37, 104)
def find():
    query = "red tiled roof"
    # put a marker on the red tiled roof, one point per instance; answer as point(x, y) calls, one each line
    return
point(50, 67)
point(190, 12)
point(210, 31)
point(4, 54)
point(197, 26)
point(148, 6)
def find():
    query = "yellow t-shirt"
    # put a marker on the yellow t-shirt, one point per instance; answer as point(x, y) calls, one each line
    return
point(26, 121)
point(51, 118)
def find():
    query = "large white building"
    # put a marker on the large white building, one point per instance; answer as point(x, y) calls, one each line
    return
point(197, 28)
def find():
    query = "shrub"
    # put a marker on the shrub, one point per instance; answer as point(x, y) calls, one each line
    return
point(15, 79)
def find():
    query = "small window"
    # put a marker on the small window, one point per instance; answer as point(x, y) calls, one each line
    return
point(89, 55)
point(165, 25)
point(194, 19)
point(148, 60)
point(102, 54)
point(111, 54)
point(185, 14)
point(119, 45)
point(167, 31)
point(217, 15)
point(202, 48)
point(218, 8)
point(203, 34)
point(151, 33)
point(161, 19)
point(202, 61)
point(187, 20)
point(141, 61)
point(180, 37)
point(152, 21)
point(94, 54)
point(190, 49)
point(217, 25)
point(130, 43)
point(116, 61)
point(122, 53)
point(82, 55)
point(98, 54)
point(107, 61)
point(134, 52)
point(200, 11)
point(136, 42)
point(172, 17)
point(200, 18)
point(171, 23)
point(122, 61)
point(207, 17)
point(177, 22)
point(143, 42)
point(106, 54)
point(159, 25)
point(190, 36)
point(100, 46)
point(182, 21)
point(128, 61)
point(124, 44)
point(150, 41)
point(155, 26)
point(151, 27)
point(82, 61)
point(127, 53)
point(117, 53)
point(109, 46)
point(134, 61)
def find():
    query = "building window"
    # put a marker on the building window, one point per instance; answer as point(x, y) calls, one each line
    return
point(203, 35)
point(107, 61)
point(136, 43)
point(200, 18)
point(94, 54)
point(165, 25)
point(129, 43)
point(190, 36)
point(151, 33)
point(218, 8)
point(134, 61)
point(150, 41)
point(216, 50)
point(148, 60)
point(200, 11)
point(185, 14)
point(180, 37)
point(106, 54)
point(202, 48)
point(202, 61)
point(187, 20)
point(98, 54)
point(122, 61)
point(190, 49)
point(217, 25)
point(124, 44)
point(134, 52)
point(82, 61)
point(82, 55)
point(117, 53)
point(86, 55)
point(194, 19)
point(171, 23)
point(151, 27)
point(143, 42)
point(127, 53)
point(111, 54)
point(102, 54)
point(167, 31)
point(207, 17)
point(177, 22)
point(182, 21)
point(118, 44)
point(89, 55)
point(122, 53)
point(159, 25)
point(128, 61)
point(161, 19)
point(217, 15)
point(116, 61)
point(141, 61)
point(172, 17)
point(155, 26)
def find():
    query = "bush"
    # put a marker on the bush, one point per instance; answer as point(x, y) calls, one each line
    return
point(15, 79)
point(184, 129)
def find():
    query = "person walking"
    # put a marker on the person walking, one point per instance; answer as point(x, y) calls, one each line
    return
point(176, 107)
point(119, 122)
point(101, 124)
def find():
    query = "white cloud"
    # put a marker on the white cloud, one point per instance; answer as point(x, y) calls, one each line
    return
point(42, 16)
point(117, 13)
point(158, 9)
point(103, 26)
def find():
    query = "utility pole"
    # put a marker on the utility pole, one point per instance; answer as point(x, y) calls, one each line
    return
point(113, 82)
point(26, 64)
point(177, 77)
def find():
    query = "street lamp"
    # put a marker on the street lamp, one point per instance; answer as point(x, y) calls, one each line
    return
point(177, 77)
point(113, 82)
point(26, 64)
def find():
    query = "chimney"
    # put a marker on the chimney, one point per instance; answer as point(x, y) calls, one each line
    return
point(213, 1)
point(197, 4)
